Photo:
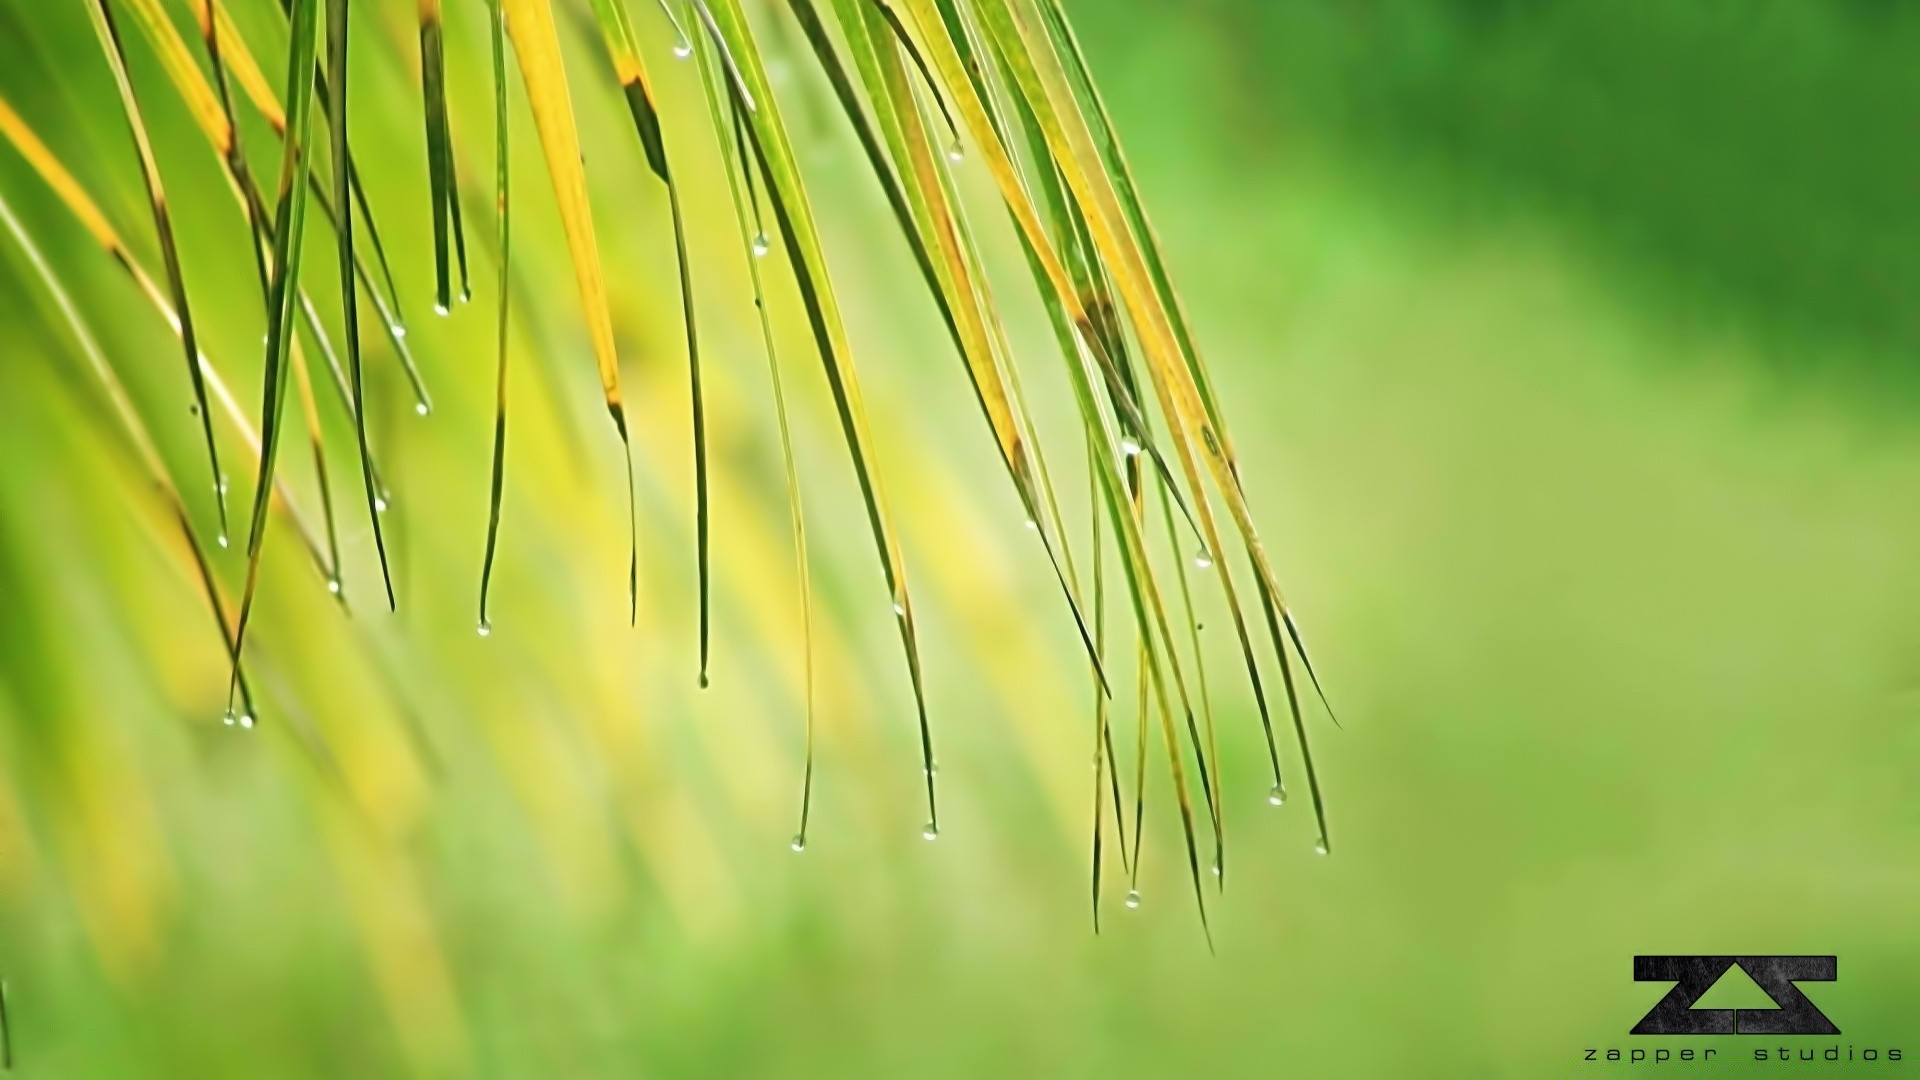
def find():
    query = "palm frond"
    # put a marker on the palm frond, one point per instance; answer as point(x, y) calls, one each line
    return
point(947, 101)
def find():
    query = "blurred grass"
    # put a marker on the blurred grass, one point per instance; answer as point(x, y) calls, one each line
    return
point(1576, 406)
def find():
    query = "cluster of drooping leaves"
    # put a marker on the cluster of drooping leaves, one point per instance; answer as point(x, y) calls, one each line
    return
point(927, 87)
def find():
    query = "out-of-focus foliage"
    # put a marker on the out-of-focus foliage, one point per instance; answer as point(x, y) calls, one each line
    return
point(1757, 155)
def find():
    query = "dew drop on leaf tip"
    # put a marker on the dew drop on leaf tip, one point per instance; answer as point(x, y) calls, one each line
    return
point(1133, 898)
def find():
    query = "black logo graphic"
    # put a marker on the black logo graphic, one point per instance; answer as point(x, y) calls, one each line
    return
point(1692, 976)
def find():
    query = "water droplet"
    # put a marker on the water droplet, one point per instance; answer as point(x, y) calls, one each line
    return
point(422, 408)
point(900, 609)
point(1203, 559)
point(681, 50)
point(1216, 868)
point(1133, 898)
point(1320, 848)
point(799, 843)
point(223, 485)
point(761, 245)
point(466, 292)
point(1277, 797)
point(932, 769)
point(246, 720)
point(399, 330)
point(440, 309)
point(955, 152)
point(222, 538)
point(229, 719)
point(333, 586)
point(379, 504)
point(486, 628)
point(931, 832)
point(1130, 446)
point(1032, 524)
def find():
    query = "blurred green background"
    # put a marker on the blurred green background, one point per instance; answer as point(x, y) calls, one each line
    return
point(1569, 350)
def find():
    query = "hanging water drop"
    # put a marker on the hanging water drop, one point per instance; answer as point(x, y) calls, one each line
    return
point(246, 720)
point(486, 628)
point(379, 504)
point(1320, 848)
point(1216, 868)
point(441, 309)
point(1277, 797)
point(1032, 524)
point(222, 539)
point(681, 50)
point(222, 485)
point(333, 585)
point(421, 408)
point(931, 832)
point(399, 330)
point(955, 152)
point(1203, 559)
point(1133, 898)
point(761, 245)
point(1130, 446)
point(799, 844)
point(230, 718)
point(900, 609)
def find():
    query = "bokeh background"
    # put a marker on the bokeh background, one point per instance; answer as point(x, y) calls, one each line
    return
point(1570, 351)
